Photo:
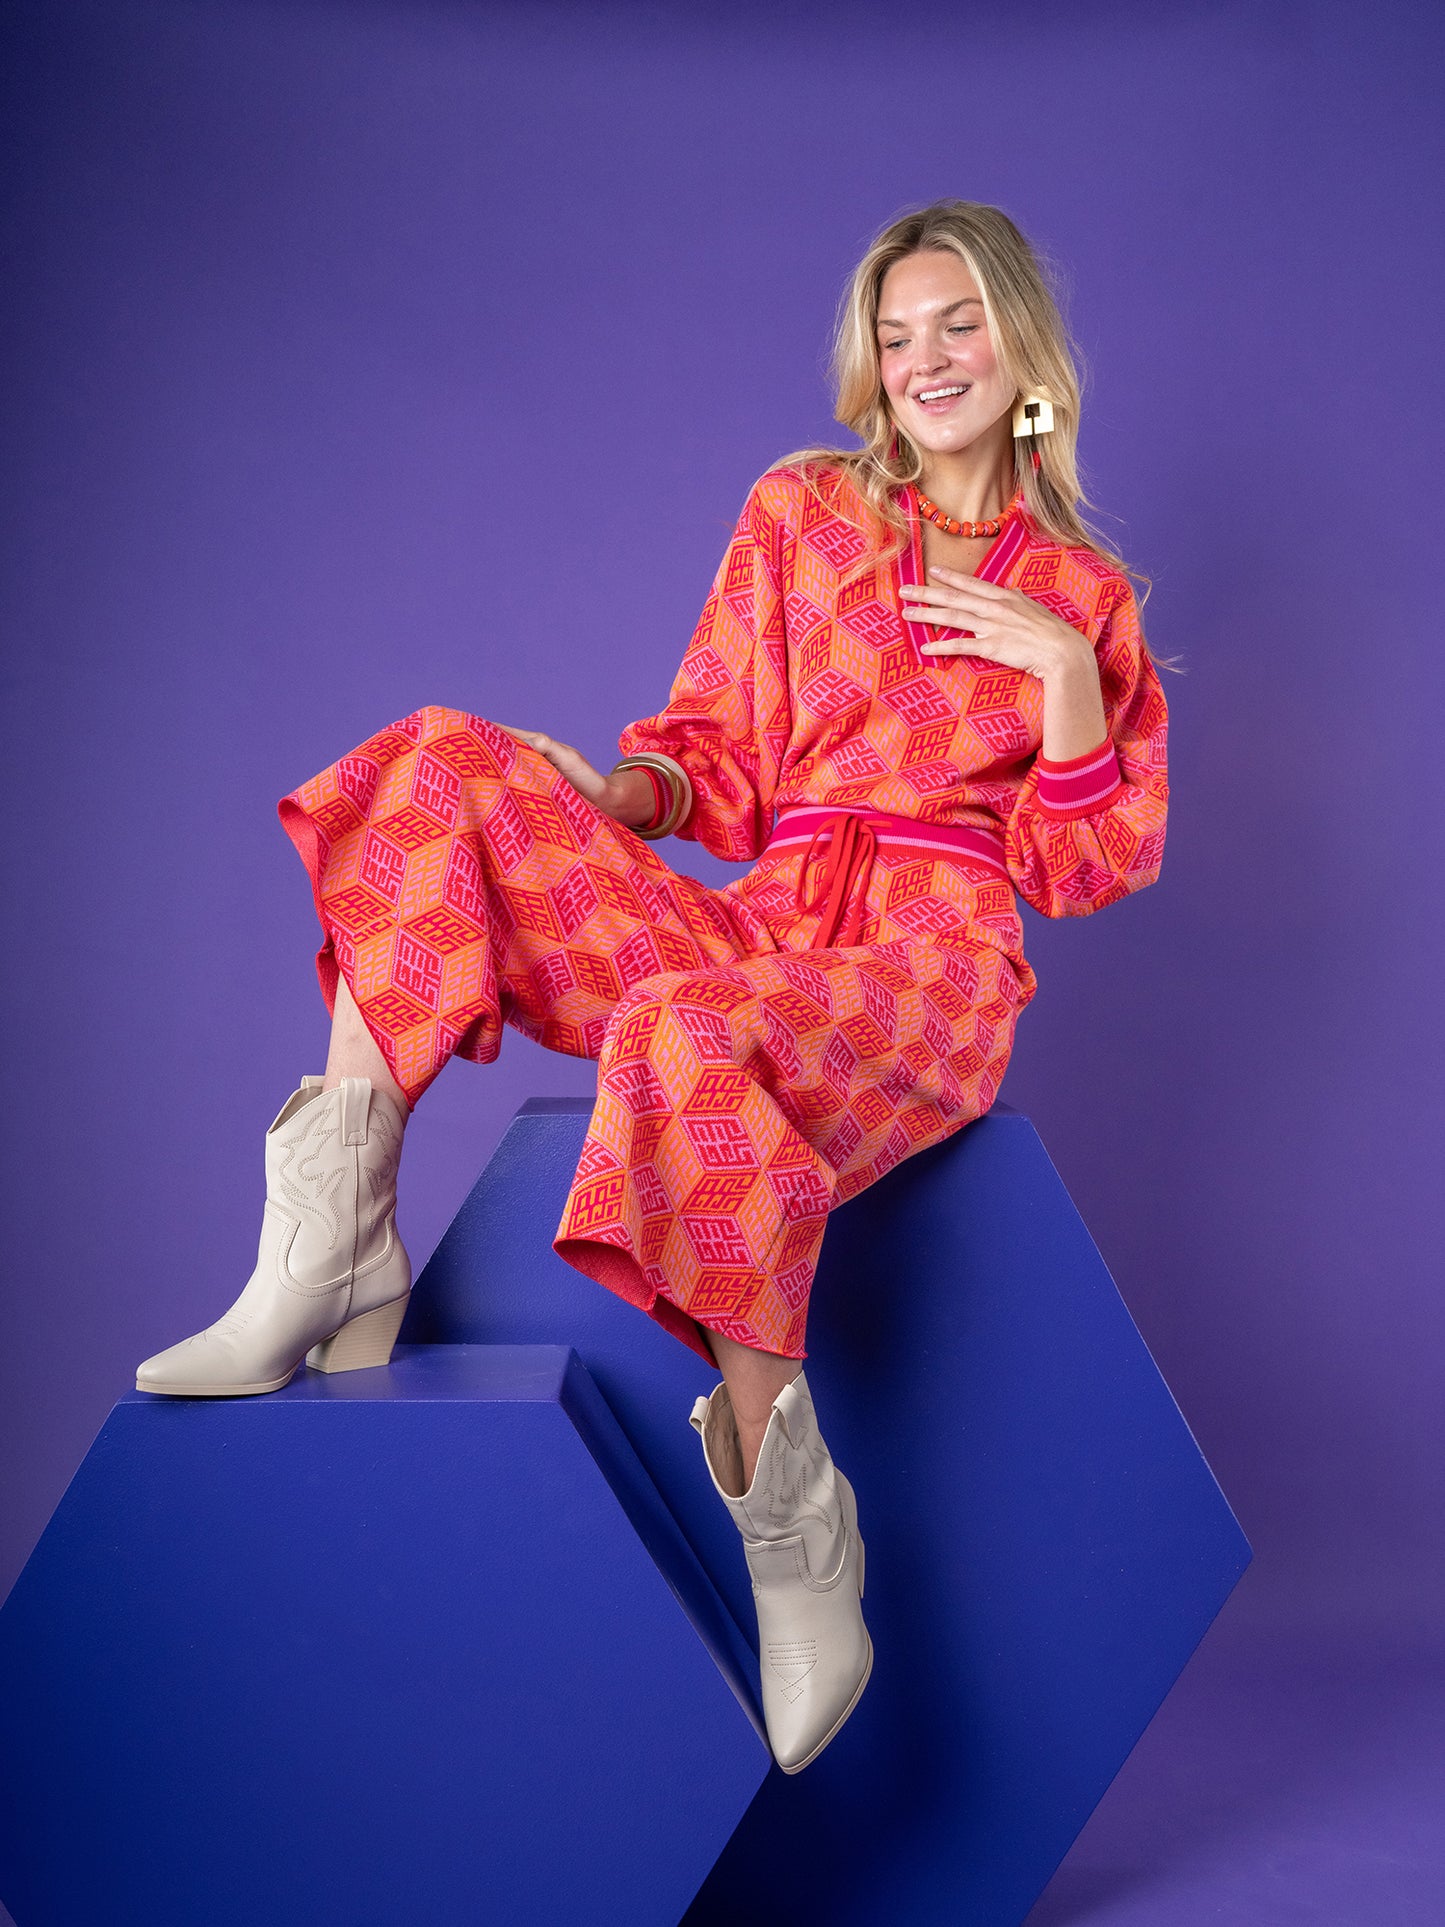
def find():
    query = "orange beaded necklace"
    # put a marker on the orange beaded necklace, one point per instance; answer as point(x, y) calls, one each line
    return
point(933, 513)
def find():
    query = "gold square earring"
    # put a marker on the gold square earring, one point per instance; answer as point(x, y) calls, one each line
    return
point(1033, 415)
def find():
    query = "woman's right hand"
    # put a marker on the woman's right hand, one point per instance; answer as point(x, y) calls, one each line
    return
point(626, 795)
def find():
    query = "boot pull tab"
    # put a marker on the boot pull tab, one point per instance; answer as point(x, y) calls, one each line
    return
point(698, 1415)
point(355, 1103)
point(789, 1417)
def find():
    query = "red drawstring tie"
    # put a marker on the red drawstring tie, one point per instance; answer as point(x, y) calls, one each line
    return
point(843, 887)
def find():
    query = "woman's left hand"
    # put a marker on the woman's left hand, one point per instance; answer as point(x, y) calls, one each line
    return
point(1007, 626)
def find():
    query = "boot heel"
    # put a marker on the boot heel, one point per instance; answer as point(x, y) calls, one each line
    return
point(362, 1341)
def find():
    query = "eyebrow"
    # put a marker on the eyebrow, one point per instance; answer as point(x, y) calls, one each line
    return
point(969, 300)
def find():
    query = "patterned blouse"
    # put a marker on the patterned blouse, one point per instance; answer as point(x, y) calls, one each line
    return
point(799, 687)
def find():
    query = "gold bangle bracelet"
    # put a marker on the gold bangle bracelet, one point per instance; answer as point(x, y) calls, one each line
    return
point(679, 789)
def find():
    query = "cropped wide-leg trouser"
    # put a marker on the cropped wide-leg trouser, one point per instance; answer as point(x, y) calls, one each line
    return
point(746, 1081)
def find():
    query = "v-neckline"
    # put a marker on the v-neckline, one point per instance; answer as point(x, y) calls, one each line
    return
point(999, 558)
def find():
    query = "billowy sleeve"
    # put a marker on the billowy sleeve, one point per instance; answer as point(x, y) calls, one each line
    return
point(728, 718)
point(1091, 830)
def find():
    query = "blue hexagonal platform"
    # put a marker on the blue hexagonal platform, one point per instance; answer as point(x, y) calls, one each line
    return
point(428, 1641)
point(414, 1644)
point(1046, 1544)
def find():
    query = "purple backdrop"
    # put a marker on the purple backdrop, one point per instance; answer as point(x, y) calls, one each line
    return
point(364, 357)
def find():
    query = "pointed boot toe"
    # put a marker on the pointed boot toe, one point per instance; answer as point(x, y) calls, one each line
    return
point(189, 1371)
point(806, 1729)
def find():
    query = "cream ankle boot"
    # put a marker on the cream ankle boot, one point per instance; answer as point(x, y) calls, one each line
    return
point(332, 1278)
point(799, 1522)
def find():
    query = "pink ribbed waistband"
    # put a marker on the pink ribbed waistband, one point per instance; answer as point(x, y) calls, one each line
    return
point(802, 824)
point(844, 843)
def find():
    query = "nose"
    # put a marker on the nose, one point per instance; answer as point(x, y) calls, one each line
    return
point(930, 358)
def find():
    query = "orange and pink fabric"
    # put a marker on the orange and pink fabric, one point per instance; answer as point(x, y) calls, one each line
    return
point(748, 1078)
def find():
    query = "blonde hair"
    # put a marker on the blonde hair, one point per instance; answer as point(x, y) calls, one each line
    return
point(1034, 351)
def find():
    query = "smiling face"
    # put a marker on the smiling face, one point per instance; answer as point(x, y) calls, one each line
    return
point(935, 358)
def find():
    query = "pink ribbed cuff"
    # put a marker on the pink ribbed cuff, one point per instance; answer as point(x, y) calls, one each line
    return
point(1081, 785)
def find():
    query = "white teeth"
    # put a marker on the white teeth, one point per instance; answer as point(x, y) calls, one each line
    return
point(937, 394)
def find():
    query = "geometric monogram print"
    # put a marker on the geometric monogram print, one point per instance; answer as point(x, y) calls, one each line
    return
point(747, 1082)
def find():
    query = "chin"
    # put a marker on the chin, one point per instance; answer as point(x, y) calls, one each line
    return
point(946, 441)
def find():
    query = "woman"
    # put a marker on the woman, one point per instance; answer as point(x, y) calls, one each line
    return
point(917, 658)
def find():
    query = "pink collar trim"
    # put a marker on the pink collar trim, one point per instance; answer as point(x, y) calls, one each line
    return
point(1008, 545)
